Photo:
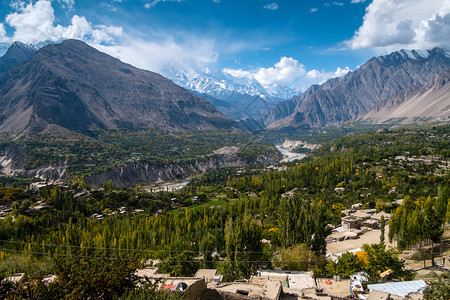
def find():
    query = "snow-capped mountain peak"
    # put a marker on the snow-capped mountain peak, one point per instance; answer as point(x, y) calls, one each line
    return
point(222, 85)
point(412, 55)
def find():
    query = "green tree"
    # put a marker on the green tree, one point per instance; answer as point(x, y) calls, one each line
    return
point(383, 229)
point(420, 220)
point(404, 224)
point(207, 246)
point(434, 211)
point(80, 278)
point(295, 258)
point(380, 260)
point(347, 265)
point(243, 247)
point(318, 216)
point(438, 289)
point(179, 264)
point(15, 208)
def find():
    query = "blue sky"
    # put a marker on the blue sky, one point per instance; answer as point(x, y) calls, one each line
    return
point(285, 42)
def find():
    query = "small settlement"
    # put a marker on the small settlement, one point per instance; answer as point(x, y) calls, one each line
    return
point(358, 227)
point(277, 284)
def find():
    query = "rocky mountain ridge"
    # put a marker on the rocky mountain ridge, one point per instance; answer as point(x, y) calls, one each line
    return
point(17, 53)
point(353, 95)
point(237, 98)
point(430, 103)
point(72, 86)
point(222, 85)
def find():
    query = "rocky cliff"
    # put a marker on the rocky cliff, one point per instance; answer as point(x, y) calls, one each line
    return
point(353, 95)
point(12, 162)
point(430, 103)
point(72, 86)
point(141, 173)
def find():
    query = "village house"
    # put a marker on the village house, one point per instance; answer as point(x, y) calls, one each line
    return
point(364, 218)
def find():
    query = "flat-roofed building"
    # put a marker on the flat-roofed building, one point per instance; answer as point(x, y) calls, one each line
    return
point(208, 274)
point(351, 222)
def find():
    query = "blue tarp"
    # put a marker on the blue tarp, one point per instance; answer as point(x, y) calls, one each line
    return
point(401, 289)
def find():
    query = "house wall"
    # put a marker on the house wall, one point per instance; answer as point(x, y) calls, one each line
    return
point(195, 290)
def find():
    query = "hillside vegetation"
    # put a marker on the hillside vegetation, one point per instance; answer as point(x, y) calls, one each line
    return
point(221, 219)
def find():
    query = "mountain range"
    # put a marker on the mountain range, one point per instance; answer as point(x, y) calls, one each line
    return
point(430, 103)
point(352, 96)
point(238, 98)
point(222, 85)
point(72, 86)
point(17, 53)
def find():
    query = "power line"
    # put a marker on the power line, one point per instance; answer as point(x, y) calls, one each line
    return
point(135, 259)
point(67, 255)
point(128, 259)
point(118, 249)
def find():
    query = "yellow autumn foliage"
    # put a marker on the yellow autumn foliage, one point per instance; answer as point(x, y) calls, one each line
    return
point(363, 258)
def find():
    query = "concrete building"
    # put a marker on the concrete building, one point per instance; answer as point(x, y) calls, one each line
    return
point(271, 290)
point(351, 222)
point(364, 218)
point(294, 279)
point(208, 274)
point(371, 223)
point(334, 288)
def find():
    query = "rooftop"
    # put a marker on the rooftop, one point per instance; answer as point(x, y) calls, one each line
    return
point(296, 280)
point(377, 216)
point(350, 218)
point(271, 290)
point(150, 273)
point(208, 274)
point(370, 221)
point(401, 289)
point(334, 288)
point(361, 214)
point(377, 295)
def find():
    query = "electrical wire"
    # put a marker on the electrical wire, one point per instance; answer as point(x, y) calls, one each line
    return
point(117, 249)
point(128, 259)
point(131, 259)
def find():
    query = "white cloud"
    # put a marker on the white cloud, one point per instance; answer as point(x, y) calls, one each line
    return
point(67, 3)
point(3, 37)
point(34, 23)
point(357, 1)
point(284, 72)
point(155, 2)
point(155, 56)
point(313, 10)
point(271, 6)
point(16, 4)
point(334, 3)
point(404, 23)
point(238, 73)
point(319, 77)
point(437, 30)
point(341, 72)
point(288, 72)
point(109, 6)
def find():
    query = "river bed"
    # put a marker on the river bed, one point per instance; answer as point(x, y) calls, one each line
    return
point(168, 186)
point(289, 156)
